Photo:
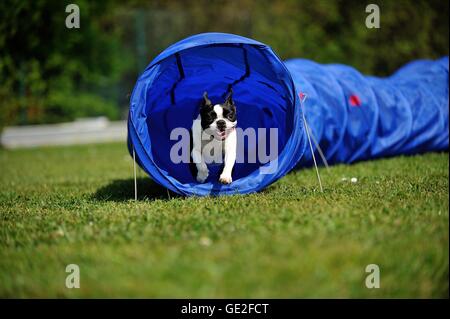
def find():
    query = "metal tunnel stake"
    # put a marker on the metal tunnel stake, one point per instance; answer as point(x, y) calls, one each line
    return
point(303, 97)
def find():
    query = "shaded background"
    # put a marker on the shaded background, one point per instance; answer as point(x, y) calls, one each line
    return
point(49, 73)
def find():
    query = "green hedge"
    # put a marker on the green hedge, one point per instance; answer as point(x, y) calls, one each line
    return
point(49, 73)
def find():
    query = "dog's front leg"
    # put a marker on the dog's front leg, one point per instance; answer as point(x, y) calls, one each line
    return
point(202, 168)
point(230, 158)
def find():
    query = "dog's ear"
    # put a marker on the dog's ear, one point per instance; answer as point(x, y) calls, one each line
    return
point(229, 98)
point(206, 101)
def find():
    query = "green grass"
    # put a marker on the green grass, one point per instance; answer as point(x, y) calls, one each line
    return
point(67, 205)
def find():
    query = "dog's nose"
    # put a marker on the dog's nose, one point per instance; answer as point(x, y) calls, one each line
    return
point(221, 125)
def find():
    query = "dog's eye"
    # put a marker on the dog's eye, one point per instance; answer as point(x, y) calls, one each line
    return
point(230, 116)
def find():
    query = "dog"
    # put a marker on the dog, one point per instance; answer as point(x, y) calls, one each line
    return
point(213, 137)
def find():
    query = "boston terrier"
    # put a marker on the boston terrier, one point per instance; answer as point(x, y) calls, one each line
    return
point(214, 139)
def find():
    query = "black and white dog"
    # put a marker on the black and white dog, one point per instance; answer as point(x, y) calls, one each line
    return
point(214, 138)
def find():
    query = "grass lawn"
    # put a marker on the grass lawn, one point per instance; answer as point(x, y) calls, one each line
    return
point(73, 205)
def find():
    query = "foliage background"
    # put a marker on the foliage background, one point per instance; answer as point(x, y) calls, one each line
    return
point(49, 73)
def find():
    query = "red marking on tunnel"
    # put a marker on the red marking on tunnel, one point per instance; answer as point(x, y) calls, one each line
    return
point(355, 100)
point(301, 95)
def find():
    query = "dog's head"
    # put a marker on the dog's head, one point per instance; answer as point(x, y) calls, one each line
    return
point(219, 119)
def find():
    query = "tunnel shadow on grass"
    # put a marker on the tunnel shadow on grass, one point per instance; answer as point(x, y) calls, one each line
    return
point(123, 190)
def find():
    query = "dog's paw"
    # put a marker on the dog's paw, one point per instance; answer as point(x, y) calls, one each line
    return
point(225, 179)
point(202, 175)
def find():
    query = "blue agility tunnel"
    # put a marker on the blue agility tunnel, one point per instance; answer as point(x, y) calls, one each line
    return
point(352, 117)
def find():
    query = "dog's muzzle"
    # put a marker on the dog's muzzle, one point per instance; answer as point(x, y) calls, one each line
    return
point(222, 134)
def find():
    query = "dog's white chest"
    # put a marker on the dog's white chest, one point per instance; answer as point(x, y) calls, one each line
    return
point(212, 149)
